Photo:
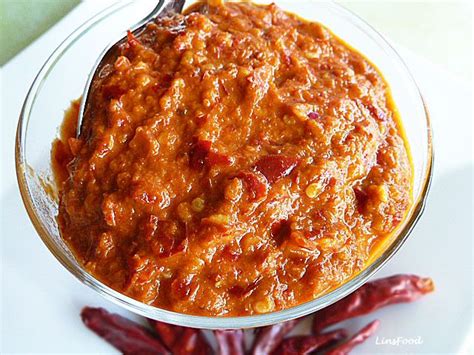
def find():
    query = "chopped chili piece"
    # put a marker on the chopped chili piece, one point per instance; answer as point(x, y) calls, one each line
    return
point(280, 231)
point(127, 336)
point(313, 115)
point(113, 92)
point(267, 339)
point(372, 296)
point(198, 154)
point(275, 167)
point(307, 344)
point(215, 158)
point(376, 112)
point(245, 291)
point(132, 40)
point(201, 154)
point(230, 342)
point(254, 184)
point(362, 335)
point(361, 199)
point(182, 340)
point(161, 237)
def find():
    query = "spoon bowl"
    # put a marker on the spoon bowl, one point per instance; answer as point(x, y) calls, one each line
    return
point(163, 8)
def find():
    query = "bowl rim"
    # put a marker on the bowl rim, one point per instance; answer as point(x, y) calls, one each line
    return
point(207, 322)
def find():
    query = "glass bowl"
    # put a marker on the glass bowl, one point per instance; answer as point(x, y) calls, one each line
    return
point(62, 79)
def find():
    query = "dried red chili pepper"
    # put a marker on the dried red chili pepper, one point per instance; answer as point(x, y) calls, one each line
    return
point(268, 338)
point(358, 338)
point(127, 336)
point(230, 342)
point(372, 296)
point(131, 338)
point(181, 340)
point(306, 344)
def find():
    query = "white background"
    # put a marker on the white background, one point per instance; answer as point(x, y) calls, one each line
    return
point(41, 301)
point(439, 31)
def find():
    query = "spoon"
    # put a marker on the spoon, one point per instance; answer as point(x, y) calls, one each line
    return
point(163, 8)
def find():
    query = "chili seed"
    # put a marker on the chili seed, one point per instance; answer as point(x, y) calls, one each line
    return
point(122, 63)
point(198, 204)
point(140, 66)
point(219, 219)
point(313, 190)
point(264, 306)
point(184, 212)
point(144, 80)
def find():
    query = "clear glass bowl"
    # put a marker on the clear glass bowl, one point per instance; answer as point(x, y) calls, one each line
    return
point(63, 76)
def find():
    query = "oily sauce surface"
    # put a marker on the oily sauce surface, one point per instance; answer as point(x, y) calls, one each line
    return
point(236, 163)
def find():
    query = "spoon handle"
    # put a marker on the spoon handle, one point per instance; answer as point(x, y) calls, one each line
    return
point(163, 7)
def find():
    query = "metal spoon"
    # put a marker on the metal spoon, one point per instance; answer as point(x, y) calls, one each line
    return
point(163, 8)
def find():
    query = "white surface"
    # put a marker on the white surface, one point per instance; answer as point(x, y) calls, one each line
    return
point(440, 31)
point(41, 301)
